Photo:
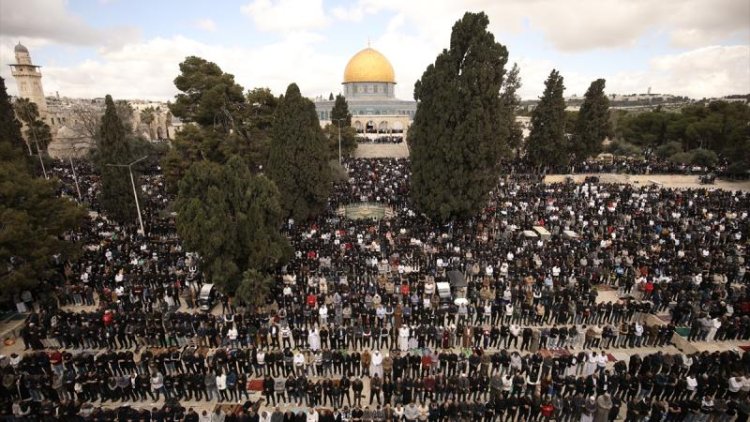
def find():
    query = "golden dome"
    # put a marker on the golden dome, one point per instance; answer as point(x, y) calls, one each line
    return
point(369, 66)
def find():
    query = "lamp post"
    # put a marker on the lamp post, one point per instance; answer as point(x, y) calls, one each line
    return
point(36, 141)
point(338, 123)
point(75, 178)
point(135, 192)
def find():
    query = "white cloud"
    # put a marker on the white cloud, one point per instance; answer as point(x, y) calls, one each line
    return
point(205, 24)
point(412, 39)
point(576, 25)
point(704, 72)
point(286, 15)
point(146, 70)
point(50, 20)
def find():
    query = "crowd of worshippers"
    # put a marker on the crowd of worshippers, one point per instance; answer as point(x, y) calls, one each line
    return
point(361, 291)
point(529, 386)
point(620, 165)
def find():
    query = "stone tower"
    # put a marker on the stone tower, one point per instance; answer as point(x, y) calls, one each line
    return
point(29, 79)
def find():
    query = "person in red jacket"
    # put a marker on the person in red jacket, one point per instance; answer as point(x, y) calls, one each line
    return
point(548, 410)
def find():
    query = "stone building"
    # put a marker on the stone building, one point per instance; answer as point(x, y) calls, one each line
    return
point(73, 122)
point(369, 87)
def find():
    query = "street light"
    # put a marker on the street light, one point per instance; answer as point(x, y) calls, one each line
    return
point(75, 178)
point(338, 123)
point(135, 192)
point(36, 141)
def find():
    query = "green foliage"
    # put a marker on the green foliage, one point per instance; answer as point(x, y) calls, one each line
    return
point(340, 112)
point(254, 288)
point(147, 115)
point(669, 149)
point(704, 157)
point(348, 140)
point(10, 127)
point(33, 221)
point(37, 132)
point(717, 126)
point(459, 132)
point(226, 122)
point(232, 219)
point(509, 102)
point(625, 149)
point(571, 119)
point(114, 147)
point(685, 157)
point(298, 160)
point(739, 168)
point(207, 94)
point(548, 144)
point(593, 123)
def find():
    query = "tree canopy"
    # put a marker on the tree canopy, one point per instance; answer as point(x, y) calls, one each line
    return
point(37, 132)
point(457, 138)
point(298, 160)
point(510, 101)
point(340, 112)
point(114, 147)
point(718, 125)
point(33, 220)
point(208, 95)
point(341, 119)
point(223, 121)
point(548, 144)
point(593, 124)
point(232, 219)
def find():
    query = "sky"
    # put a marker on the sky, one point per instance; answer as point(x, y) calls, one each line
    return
point(131, 49)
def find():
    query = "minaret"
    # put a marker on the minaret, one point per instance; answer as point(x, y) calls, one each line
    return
point(29, 79)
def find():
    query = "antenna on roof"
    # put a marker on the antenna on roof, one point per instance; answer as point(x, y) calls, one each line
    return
point(368, 42)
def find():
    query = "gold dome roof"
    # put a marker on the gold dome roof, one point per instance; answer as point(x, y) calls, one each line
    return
point(369, 66)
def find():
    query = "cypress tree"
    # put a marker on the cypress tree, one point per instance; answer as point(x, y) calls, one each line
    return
point(458, 137)
point(340, 112)
point(298, 161)
point(113, 147)
point(510, 100)
point(547, 144)
point(593, 123)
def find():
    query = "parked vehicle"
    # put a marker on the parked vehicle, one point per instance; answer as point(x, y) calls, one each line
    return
point(207, 297)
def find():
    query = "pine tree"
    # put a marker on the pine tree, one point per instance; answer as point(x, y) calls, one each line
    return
point(547, 144)
point(593, 123)
point(457, 137)
point(232, 219)
point(113, 147)
point(227, 122)
point(34, 219)
point(298, 161)
point(208, 95)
